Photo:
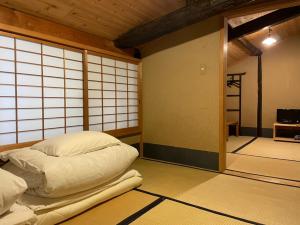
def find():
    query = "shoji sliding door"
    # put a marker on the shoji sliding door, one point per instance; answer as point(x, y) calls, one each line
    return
point(112, 93)
point(41, 90)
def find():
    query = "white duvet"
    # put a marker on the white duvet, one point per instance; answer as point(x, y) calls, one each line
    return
point(18, 215)
point(54, 177)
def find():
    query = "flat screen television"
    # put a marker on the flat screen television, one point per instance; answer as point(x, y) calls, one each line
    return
point(288, 116)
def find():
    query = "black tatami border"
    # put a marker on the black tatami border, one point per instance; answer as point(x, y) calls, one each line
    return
point(243, 146)
point(265, 157)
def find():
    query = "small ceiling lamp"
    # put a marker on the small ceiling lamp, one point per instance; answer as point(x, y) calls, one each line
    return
point(269, 40)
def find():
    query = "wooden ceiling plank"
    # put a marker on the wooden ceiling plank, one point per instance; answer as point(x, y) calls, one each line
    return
point(276, 17)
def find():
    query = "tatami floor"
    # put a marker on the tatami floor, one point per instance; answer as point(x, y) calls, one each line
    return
point(177, 195)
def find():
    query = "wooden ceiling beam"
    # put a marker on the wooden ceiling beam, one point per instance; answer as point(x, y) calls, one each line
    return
point(194, 11)
point(276, 17)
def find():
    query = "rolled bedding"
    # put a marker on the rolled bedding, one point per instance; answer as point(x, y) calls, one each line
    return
point(53, 177)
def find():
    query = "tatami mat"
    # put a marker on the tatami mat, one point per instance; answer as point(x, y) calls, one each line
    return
point(169, 180)
point(114, 211)
point(233, 142)
point(267, 147)
point(253, 200)
point(173, 213)
point(264, 166)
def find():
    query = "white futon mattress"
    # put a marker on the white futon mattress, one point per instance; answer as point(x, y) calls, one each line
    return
point(18, 215)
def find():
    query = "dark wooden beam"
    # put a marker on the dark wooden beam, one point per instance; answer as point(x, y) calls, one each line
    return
point(193, 12)
point(276, 17)
point(259, 97)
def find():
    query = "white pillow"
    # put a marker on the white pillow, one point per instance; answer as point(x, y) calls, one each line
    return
point(11, 188)
point(76, 143)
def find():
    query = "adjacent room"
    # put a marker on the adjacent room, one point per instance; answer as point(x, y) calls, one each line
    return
point(179, 112)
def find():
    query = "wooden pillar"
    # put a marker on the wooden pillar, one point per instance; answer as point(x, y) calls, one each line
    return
point(259, 97)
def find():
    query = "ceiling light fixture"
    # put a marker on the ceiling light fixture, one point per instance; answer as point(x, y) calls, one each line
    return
point(269, 40)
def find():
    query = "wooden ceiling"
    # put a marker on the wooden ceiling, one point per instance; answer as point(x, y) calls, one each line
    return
point(281, 32)
point(105, 18)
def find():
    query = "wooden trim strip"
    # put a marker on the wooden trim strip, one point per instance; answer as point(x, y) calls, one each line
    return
point(85, 92)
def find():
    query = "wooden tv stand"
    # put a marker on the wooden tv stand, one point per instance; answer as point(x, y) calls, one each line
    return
point(282, 126)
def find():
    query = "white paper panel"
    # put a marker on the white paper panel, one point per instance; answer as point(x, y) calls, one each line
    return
point(53, 123)
point(7, 103)
point(29, 102)
point(49, 50)
point(7, 127)
point(28, 57)
point(122, 80)
point(109, 94)
point(132, 66)
point(74, 102)
point(94, 76)
point(121, 94)
point(73, 74)
point(95, 102)
point(74, 121)
point(95, 94)
point(121, 109)
point(108, 62)
point(121, 117)
point(29, 69)
point(108, 70)
point(108, 78)
point(54, 102)
point(7, 90)
point(95, 111)
point(96, 127)
point(53, 61)
point(73, 93)
point(95, 85)
point(29, 125)
point(122, 87)
point(132, 95)
point(74, 84)
point(133, 109)
point(7, 78)
point(133, 123)
point(6, 42)
point(121, 102)
point(8, 114)
point(53, 72)
point(7, 54)
point(133, 102)
point(121, 64)
point(6, 139)
point(30, 91)
point(24, 114)
point(73, 55)
point(53, 92)
point(30, 136)
point(73, 65)
point(121, 125)
point(94, 59)
point(121, 72)
point(53, 82)
point(132, 81)
point(51, 113)
point(95, 119)
point(109, 126)
point(133, 116)
point(132, 73)
point(74, 129)
point(94, 68)
point(109, 118)
point(109, 102)
point(109, 110)
point(109, 86)
point(132, 88)
point(29, 80)
point(28, 46)
point(53, 132)
point(74, 112)
point(6, 66)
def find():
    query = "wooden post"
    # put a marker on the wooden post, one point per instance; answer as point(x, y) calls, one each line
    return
point(259, 97)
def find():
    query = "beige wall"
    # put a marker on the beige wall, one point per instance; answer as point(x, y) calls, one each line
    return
point(281, 81)
point(181, 105)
